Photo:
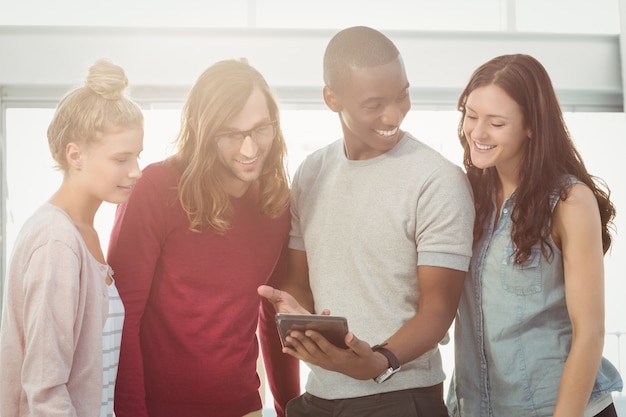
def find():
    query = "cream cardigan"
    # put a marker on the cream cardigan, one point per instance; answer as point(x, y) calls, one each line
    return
point(55, 306)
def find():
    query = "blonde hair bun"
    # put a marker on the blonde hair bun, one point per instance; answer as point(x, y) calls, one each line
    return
point(107, 79)
point(99, 105)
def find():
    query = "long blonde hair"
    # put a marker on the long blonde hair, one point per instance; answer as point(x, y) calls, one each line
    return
point(218, 95)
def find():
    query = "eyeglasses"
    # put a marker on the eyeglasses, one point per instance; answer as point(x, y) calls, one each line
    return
point(262, 135)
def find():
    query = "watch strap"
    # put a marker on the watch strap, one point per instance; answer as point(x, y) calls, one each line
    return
point(394, 363)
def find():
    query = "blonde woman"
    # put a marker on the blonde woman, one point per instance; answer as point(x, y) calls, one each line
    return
point(61, 319)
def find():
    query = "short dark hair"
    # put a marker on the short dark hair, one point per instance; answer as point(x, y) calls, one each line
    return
point(356, 47)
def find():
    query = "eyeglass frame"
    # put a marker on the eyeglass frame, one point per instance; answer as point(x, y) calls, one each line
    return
point(241, 135)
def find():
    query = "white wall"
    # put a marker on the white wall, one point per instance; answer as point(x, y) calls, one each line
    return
point(585, 69)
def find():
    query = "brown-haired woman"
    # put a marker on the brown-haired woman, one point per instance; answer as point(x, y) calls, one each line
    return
point(530, 328)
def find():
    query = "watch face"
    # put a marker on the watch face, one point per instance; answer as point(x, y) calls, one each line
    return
point(386, 375)
point(394, 364)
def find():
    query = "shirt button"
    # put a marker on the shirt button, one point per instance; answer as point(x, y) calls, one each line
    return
point(506, 210)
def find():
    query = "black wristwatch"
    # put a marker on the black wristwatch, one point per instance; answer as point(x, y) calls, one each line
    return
point(394, 363)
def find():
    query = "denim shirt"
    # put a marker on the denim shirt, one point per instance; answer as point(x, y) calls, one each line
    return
point(512, 331)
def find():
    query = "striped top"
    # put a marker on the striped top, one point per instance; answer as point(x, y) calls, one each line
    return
point(111, 339)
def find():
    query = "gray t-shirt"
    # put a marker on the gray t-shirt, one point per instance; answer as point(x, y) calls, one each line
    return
point(365, 226)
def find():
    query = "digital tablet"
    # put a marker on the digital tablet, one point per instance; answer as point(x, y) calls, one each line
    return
point(333, 328)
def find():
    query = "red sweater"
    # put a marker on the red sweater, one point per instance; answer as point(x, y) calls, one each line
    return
point(189, 345)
